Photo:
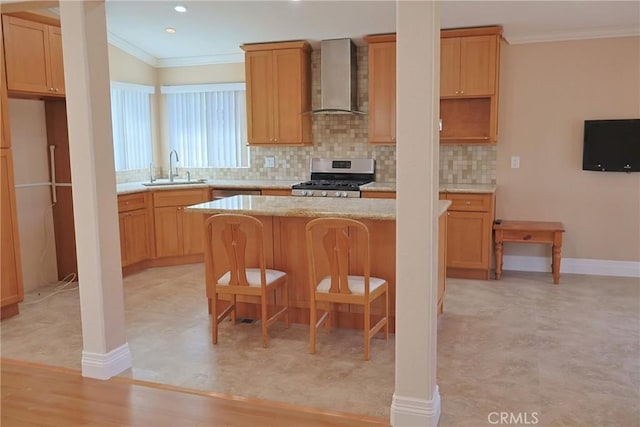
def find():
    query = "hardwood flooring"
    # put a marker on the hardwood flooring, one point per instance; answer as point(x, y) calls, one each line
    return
point(38, 395)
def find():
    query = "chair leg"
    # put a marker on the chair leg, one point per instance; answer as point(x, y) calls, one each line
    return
point(214, 318)
point(209, 305)
point(234, 311)
point(285, 298)
point(312, 326)
point(367, 327)
point(265, 338)
point(327, 323)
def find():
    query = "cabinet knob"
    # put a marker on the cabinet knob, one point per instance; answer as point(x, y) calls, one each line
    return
point(51, 89)
point(467, 203)
point(461, 91)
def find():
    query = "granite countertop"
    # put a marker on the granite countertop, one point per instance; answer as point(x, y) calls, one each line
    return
point(445, 188)
point(136, 187)
point(307, 207)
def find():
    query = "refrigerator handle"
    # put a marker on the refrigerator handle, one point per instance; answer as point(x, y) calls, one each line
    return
point(52, 168)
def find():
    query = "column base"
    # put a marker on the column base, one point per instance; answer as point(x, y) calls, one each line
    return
point(409, 411)
point(103, 366)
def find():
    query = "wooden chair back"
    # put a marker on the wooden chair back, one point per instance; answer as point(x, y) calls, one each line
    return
point(241, 237)
point(336, 244)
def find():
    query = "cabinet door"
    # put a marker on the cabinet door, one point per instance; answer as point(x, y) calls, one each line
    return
point(26, 55)
point(478, 65)
point(467, 244)
point(449, 66)
point(259, 76)
point(287, 95)
point(5, 137)
point(192, 232)
point(11, 290)
point(168, 228)
point(134, 240)
point(55, 63)
point(382, 93)
point(442, 260)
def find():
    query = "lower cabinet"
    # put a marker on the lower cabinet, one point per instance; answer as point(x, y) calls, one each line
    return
point(378, 194)
point(469, 227)
point(442, 261)
point(136, 231)
point(178, 233)
point(276, 192)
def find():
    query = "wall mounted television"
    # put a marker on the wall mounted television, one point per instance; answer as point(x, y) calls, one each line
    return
point(611, 145)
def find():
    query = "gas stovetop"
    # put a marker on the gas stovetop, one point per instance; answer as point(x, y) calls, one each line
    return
point(336, 178)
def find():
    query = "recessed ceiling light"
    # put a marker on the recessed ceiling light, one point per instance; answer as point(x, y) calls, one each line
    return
point(170, 30)
point(180, 9)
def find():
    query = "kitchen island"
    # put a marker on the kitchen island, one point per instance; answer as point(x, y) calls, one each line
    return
point(284, 220)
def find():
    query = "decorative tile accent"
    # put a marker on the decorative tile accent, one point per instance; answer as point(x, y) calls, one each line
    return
point(342, 136)
point(468, 164)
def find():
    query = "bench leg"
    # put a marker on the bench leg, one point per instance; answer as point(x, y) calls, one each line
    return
point(498, 260)
point(555, 266)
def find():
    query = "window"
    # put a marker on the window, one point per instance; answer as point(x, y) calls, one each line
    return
point(131, 122)
point(207, 124)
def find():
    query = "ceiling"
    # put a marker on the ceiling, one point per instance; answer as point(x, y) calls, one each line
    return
point(212, 31)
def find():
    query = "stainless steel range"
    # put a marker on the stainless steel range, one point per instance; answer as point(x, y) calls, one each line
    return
point(336, 178)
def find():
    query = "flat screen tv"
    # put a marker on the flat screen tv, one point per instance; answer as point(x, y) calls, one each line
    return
point(611, 145)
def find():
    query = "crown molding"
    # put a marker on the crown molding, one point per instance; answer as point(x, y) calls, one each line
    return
point(602, 33)
point(124, 45)
point(227, 58)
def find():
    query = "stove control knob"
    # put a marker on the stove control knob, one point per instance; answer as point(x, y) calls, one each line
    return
point(338, 194)
point(324, 194)
point(310, 193)
point(344, 194)
point(303, 193)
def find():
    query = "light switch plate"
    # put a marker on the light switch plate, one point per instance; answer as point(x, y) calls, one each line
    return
point(515, 162)
point(269, 162)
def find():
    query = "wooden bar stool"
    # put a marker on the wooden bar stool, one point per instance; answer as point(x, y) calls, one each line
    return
point(228, 271)
point(336, 247)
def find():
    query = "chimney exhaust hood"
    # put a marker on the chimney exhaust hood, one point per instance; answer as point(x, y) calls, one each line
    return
point(338, 77)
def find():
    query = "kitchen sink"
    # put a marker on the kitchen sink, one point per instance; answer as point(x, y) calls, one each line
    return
point(176, 181)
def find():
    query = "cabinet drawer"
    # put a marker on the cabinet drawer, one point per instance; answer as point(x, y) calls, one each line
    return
point(527, 236)
point(179, 197)
point(470, 202)
point(131, 202)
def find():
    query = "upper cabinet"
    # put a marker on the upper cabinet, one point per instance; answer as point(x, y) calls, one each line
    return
point(469, 73)
point(382, 88)
point(468, 66)
point(278, 78)
point(33, 57)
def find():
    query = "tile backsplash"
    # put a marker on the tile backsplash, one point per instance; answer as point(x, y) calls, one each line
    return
point(341, 136)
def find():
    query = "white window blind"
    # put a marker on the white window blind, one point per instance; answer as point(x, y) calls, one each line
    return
point(207, 124)
point(131, 122)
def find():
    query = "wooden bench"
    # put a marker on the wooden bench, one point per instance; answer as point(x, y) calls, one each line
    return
point(529, 232)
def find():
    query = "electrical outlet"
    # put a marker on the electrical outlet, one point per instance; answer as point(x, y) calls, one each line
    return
point(515, 162)
point(269, 162)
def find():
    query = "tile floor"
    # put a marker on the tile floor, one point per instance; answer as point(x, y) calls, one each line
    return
point(565, 355)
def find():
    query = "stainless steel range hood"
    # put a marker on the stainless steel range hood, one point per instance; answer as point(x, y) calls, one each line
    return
point(338, 77)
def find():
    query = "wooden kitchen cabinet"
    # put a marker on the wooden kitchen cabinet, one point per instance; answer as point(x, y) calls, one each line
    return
point(136, 228)
point(178, 233)
point(276, 192)
point(469, 75)
point(33, 53)
point(382, 88)
point(11, 285)
point(469, 228)
point(378, 194)
point(442, 261)
point(278, 79)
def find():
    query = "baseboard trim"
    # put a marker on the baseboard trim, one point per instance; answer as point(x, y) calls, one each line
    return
point(409, 411)
point(103, 366)
point(596, 267)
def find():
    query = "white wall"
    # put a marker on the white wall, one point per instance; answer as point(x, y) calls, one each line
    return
point(35, 219)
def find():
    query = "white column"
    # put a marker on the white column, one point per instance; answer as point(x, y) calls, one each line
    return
point(416, 400)
point(86, 66)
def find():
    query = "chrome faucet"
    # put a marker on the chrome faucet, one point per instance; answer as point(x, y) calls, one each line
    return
point(171, 173)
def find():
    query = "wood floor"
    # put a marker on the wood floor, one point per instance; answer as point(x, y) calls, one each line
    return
point(38, 395)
